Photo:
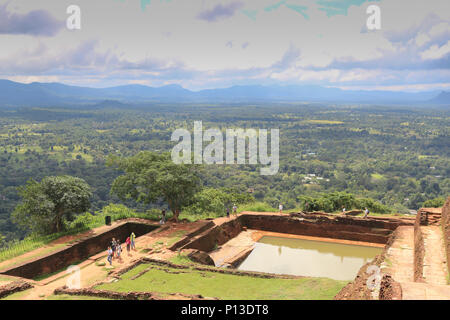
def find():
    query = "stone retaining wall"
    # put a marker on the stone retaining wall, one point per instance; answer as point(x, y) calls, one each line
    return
point(347, 228)
point(216, 236)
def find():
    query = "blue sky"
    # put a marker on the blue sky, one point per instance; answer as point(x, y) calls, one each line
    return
point(213, 43)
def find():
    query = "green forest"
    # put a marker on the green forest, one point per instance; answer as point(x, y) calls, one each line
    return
point(391, 159)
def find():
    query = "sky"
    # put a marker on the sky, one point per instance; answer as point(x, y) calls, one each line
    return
point(201, 44)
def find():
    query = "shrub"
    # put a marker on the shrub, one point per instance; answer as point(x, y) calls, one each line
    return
point(335, 201)
point(216, 200)
point(434, 203)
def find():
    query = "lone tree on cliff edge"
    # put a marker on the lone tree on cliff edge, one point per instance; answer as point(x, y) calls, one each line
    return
point(45, 204)
point(150, 177)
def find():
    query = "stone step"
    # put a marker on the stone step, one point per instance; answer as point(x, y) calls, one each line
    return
point(424, 291)
point(434, 261)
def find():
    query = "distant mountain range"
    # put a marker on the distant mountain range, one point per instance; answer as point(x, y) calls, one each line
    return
point(13, 94)
point(442, 98)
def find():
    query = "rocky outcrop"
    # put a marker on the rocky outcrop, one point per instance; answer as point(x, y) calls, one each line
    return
point(199, 257)
point(14, 287)
point(390, 289)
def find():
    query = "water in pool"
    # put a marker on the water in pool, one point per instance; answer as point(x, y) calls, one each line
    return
point(308, 258)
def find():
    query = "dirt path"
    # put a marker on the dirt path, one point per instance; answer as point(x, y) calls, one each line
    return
point(400, 256)
point(425, 291)
point(434, 264)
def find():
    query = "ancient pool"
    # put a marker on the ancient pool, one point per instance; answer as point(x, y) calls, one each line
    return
point(308, 258)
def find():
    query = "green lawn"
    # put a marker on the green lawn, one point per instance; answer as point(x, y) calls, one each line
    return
point(224, 286)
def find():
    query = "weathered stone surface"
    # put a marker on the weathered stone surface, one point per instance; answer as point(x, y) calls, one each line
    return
point(201, 257)
point(14, 287)
point(390, 289)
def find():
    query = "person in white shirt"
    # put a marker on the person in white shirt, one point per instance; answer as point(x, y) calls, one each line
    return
point(366, 212)
point(280, 207)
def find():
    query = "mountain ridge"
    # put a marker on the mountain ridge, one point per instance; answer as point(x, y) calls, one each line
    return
point(39, 94)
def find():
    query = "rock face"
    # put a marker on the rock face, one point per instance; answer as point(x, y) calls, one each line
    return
point(201, 257)
point(390, 289)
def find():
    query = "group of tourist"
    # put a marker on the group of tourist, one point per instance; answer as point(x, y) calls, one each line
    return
point(115, 248)
point(234, 210)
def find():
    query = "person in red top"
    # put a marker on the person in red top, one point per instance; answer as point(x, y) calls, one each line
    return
point(128, 242)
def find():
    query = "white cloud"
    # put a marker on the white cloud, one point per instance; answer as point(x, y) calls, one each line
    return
point(422, 39)
point(169, 43)
point(436, 52)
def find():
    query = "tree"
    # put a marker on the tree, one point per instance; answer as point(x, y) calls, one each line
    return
point(216, 200)
point(150, 177)
point(434, 203)
point(45, 205)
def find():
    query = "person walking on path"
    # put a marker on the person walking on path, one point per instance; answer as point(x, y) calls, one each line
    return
point(366, 212)
point(133, 241)
point(228, 212)
point(128, 243)
point(118, 250)
point(113, 247)
point(280, 207)
point(163, 218)
point(234, 209)
point(110, 253)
